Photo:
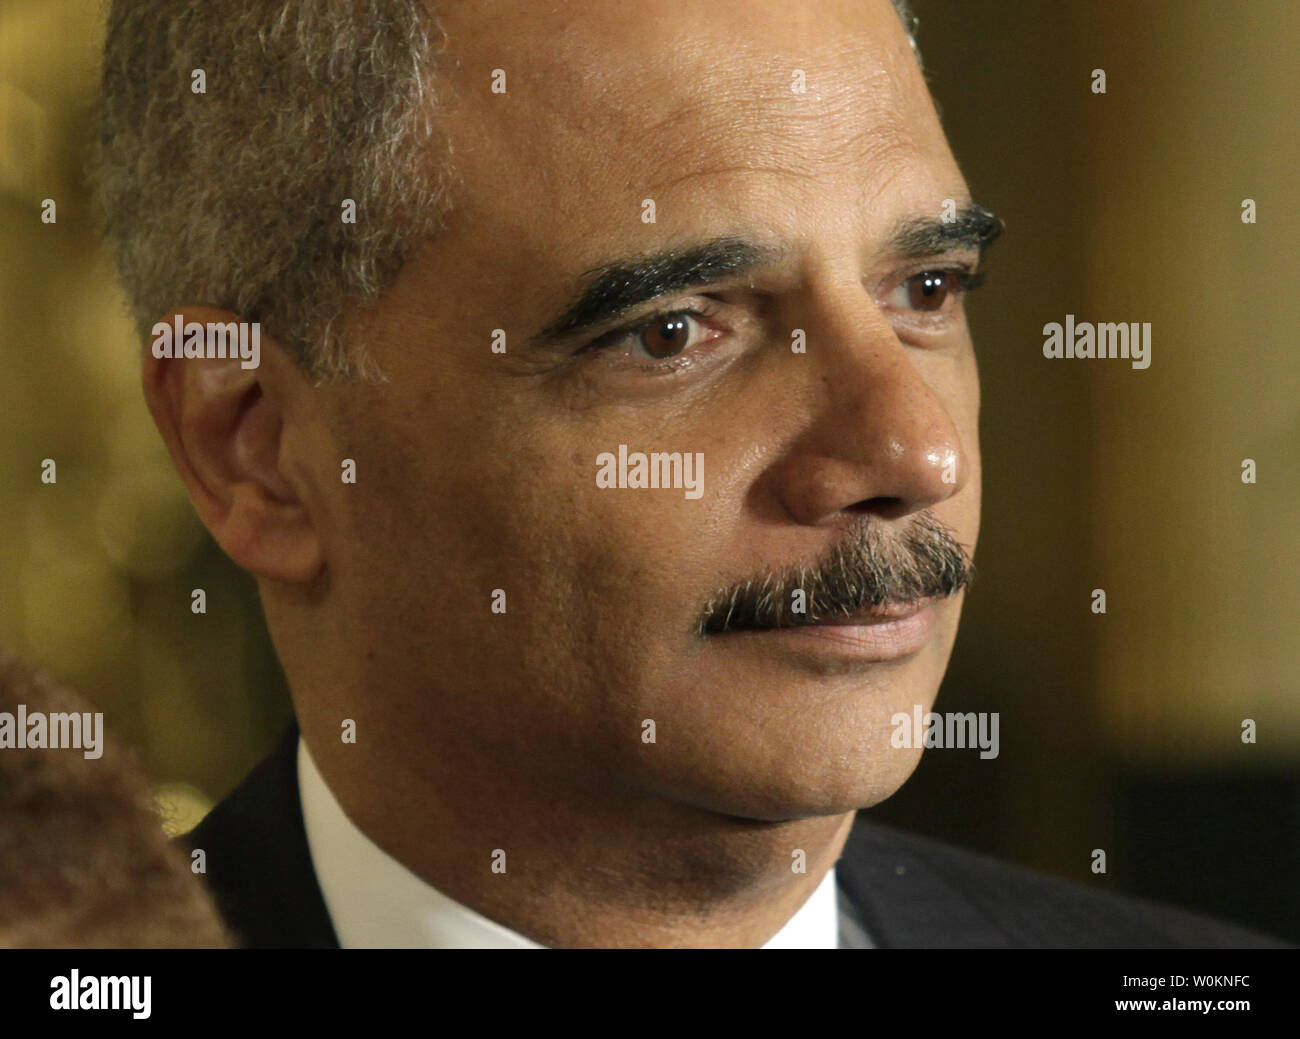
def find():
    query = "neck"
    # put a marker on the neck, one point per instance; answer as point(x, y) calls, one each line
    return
point(583, 866)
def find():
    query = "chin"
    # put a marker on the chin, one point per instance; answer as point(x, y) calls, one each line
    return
point(804, 789)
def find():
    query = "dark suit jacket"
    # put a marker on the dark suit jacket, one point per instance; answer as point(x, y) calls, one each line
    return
point(906, 891)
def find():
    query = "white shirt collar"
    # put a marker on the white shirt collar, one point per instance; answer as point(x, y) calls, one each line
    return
point(375, 902)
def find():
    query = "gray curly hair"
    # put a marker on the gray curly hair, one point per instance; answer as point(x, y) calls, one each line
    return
point(232, 197)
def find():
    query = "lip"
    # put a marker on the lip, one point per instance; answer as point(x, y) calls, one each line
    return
point(878, 635)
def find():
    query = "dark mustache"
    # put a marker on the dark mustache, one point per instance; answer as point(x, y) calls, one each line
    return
point(864, 570)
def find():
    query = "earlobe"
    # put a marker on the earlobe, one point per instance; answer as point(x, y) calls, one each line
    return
point(223, 426)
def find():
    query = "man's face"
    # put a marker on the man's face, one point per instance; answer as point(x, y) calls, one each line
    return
point(477, 469)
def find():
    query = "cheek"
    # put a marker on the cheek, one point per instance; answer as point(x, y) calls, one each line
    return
point(963, 390)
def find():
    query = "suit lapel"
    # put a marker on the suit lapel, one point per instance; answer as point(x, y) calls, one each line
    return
point(902, 903)
point(258, 863)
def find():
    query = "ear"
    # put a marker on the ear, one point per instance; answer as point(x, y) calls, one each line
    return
point(222, 424)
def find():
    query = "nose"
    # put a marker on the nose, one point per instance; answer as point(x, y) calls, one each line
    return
point(879, 437)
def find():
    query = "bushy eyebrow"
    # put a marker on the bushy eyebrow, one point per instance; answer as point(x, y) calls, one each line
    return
point(616, 288)
point(621, 286)
point(971, 227)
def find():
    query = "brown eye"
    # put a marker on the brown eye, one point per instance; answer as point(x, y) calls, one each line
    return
point(669, 336)
point(929, 290)
point(666, 337)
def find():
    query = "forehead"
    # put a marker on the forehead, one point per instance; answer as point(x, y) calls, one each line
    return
point(620, 101)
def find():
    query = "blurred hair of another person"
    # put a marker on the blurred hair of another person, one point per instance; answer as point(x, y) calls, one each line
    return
point(84, 860)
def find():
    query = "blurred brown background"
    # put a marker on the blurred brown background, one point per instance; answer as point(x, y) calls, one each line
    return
point(1119, 731)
